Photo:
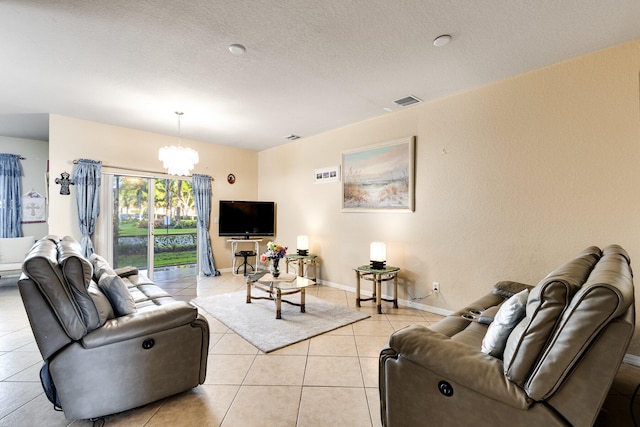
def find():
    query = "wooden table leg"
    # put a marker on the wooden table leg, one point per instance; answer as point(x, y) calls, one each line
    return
point(302, 309)
point(378, 290)
point(357, 288)
point(248, 291)
point(279, 304)
point(395, 290)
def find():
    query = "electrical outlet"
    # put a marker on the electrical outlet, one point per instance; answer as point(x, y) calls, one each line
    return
point(436, 286)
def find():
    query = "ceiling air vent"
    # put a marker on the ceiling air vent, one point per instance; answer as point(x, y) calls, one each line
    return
point(292, 137)
point(407, 100)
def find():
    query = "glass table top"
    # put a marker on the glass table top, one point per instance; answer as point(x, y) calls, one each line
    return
point(284, 281)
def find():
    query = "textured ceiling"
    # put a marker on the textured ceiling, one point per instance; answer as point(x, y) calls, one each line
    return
point(310, 66)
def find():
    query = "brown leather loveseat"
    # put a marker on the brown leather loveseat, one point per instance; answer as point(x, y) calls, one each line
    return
point(110, 340)
point(554, 369)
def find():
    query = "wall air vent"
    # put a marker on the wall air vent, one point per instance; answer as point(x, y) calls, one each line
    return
point(292, 137)
point(407, 100)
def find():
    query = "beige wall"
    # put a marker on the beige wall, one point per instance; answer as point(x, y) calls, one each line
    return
point(116, 146)
point(512, 179)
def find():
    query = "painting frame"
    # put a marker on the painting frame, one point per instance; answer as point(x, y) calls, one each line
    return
point(326, 175)
point(380, 177)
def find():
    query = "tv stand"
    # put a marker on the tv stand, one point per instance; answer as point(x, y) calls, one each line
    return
point(245, 255)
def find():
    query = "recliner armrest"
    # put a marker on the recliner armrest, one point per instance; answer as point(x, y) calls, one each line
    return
point(140, 324)
point(458, 363)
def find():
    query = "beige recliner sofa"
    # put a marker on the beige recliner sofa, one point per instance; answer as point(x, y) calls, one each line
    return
point(558, 362)
point(99, 360)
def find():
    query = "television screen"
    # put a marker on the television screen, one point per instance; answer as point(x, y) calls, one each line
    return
point(245, 218)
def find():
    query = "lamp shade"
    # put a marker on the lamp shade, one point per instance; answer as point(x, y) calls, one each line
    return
point(378, 252)
point(303, 245)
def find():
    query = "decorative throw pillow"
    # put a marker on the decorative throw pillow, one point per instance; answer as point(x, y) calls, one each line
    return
point(508, 316)
point(119, 296)
point(100, 266)
point(105, 311)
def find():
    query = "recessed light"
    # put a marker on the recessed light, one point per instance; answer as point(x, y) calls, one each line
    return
point(387, 109)
point(237, 49)
point(442, 40)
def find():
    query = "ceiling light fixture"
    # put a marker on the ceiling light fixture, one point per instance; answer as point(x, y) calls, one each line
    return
point(442, 40)
point(237, 49)
point(178, 160)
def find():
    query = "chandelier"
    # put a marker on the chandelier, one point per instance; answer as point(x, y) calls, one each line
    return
point(178, 160)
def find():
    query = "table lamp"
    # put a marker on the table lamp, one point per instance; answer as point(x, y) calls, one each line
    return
point(378, 255)
point(303, 245)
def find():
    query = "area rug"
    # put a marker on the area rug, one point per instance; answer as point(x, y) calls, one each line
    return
point(257, 323)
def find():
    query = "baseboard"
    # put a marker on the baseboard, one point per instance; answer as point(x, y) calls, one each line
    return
point(401, 302)
point(425, 307)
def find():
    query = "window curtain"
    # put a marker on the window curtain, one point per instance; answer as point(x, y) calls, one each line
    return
point(86, 178)
point(10, 203)
point(201, 185)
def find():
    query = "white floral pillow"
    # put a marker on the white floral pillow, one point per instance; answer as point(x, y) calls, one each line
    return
point(508, 316)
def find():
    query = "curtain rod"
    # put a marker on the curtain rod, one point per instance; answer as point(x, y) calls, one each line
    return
point(75, 162)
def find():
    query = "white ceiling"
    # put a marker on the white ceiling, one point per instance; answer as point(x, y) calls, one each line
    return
point(310, 65)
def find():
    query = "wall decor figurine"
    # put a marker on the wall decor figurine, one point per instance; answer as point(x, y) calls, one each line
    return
point(64, 181)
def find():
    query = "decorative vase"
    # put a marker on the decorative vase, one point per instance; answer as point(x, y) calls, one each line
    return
point(275, 270)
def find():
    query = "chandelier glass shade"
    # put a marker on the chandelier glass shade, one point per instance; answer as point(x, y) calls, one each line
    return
point(178, 160)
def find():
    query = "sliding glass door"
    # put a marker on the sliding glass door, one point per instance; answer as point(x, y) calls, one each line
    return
point(155, 224)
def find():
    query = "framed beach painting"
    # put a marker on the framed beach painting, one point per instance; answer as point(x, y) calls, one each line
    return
point(379, 177)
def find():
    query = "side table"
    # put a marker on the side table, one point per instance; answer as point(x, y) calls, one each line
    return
point(377, 276)
point(235, 253)
point(302, 260)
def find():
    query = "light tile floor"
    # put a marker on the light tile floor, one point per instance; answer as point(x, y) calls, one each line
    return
point(329, 380)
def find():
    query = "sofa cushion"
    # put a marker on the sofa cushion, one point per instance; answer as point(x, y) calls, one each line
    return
point(78, 272)
point(119, 296)
point(607, 294)
point(41, 266)
point(545, 305)
point(507, 288)
point(509, 314)
point(14, 249)
point(487, 316)
point(126, 271)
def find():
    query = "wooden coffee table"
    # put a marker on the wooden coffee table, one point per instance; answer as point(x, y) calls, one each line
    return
point(285, 284)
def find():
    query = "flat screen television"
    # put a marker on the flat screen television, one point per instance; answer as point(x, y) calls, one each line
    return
point(241, 218)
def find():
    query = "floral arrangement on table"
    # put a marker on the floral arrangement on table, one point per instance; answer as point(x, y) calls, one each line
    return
point(274, 253)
